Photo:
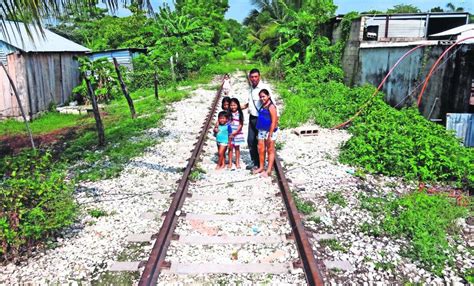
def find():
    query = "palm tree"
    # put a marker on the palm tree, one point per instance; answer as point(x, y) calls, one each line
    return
point(452, 8)
point(35, 11)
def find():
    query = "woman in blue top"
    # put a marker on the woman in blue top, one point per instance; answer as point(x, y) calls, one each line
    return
point(267, 123)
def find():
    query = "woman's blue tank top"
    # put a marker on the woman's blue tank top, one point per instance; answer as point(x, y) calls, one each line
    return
point(264, 120)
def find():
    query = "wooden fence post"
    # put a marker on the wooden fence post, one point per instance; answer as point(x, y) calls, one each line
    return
point(21, 106)
point(95, 109)
point(124, 89)
point(173, 75)
point(155, 83)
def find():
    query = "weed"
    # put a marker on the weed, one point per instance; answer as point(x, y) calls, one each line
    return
point(469, 276)
point(386, 266)
point(333, 244)
point(391, 185)
point(315, 219)
point(304, 207)
point(424, 220)
point(336, 198)
point(373, 230)
point(197, 173)
point(359, 173)
point(36, 200)
point(279, 145)
point(97, 213)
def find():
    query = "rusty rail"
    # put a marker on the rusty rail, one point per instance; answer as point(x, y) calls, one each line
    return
point(309, 264)
point(156, 260)
point(305, 251)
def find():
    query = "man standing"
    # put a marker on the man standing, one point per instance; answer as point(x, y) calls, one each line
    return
point(254, 105)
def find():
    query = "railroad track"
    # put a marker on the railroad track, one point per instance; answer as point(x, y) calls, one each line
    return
point(249, 225)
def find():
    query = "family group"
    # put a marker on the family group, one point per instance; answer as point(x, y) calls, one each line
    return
point(262, 128)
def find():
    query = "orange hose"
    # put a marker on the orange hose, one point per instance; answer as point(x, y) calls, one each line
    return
point(378, 88)
point(436, 64)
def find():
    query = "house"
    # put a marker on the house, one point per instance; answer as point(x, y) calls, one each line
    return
point(124, 56)
point(43, 67)
point(377, 42)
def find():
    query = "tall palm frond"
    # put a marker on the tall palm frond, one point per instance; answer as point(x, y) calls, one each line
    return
point(33, 12)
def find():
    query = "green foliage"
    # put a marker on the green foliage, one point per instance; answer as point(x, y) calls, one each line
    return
point(103, 78)
point(425, 220)
point(386, 140)
point(35, 200)
point(386, 266)
point(403, 143)
point(336, 198)
point(315, 219)
point(333, 244)
point(46, 123)
point(403, 8)
point(124, 135)
point(302, 206)
point(94, 28)
point(197, 173)
point(97, 213)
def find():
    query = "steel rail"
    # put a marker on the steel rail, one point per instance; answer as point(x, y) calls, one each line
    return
point(305, 251)
point(310, 266)
point(157, 257)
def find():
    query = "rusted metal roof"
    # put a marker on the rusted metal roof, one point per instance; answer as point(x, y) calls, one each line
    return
point(16, 35)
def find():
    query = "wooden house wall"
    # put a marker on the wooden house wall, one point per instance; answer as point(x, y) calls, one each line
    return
point(8, 104)
point(41, 79)
point(51, 78)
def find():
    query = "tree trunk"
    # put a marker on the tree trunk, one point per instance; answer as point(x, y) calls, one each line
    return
point(155, 83)
point(95, 108)
point(124, 89)
point(21, 106)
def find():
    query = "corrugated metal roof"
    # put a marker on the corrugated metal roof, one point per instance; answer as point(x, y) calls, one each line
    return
point(17, 36)
point(463, 126)
point(455, 31)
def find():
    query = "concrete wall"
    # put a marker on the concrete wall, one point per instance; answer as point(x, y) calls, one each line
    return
point(448, 90)
point(350, 59)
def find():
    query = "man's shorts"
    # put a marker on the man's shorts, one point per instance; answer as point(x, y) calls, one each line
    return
point(263, 135)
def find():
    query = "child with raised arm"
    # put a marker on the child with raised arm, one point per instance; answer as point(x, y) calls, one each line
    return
point(236, 138)
point(267, 123)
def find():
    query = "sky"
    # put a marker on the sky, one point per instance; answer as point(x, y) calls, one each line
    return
point(239, 9)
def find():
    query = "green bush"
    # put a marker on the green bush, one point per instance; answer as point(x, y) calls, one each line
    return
point(385, 140)
point(425, 220)
point(403, 143)
point(35, 200)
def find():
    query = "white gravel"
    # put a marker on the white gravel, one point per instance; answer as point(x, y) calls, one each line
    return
point(312, 166)
point(93, 244)
point(87, 249)
point(248, 195)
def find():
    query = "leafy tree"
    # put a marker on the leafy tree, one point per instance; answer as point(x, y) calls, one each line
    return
point(34, 11)
point(372, 12)
point(100, 31)
point(437, 9)
point(403, 8)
